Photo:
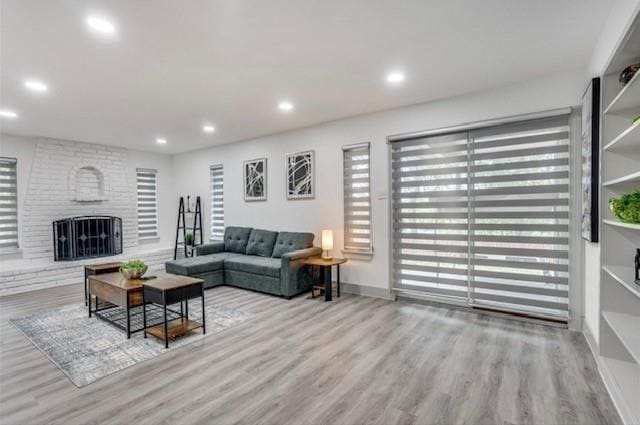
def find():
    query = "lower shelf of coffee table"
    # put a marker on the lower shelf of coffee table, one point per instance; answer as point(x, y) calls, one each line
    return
point(175, 328)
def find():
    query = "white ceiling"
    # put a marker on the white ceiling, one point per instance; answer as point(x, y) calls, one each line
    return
point(174, 65)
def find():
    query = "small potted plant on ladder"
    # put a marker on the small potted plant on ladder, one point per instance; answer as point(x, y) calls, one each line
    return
point(188, 241)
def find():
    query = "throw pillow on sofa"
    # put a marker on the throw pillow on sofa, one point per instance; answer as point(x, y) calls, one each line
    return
point(291, 241)
point(236, 239)
point(261, 242)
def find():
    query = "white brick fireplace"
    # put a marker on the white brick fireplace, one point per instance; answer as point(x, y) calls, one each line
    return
point(59, 179)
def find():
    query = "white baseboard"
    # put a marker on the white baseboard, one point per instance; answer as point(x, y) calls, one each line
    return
point(608, 380)
point(367, 291)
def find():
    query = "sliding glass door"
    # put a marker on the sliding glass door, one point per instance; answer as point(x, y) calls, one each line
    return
point(482, 217)
point(431, 215)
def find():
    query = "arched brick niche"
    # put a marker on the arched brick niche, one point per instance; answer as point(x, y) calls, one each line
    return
point(87, 184)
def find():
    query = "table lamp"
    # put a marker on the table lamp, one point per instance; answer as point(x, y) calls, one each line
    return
point(327, 243)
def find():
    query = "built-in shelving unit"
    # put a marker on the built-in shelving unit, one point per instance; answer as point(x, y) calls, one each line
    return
point(626, 327)
point(627, 98)
point(618, 223)
point(631, 181)
point(629, 139)
point(619, 328)
point(625, 276)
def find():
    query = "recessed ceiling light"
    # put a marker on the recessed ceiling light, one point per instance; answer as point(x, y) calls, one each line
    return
point(8, 114)
point(36, 86)
point(208, 129)
point(161, 141)
point(100, 25)
point(285, 106)
point(395, 77)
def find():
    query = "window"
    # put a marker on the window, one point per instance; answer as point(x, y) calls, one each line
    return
point(482, 216)
point(147, 203)
point(217, 202)
point(357, 199)
point(8, 203)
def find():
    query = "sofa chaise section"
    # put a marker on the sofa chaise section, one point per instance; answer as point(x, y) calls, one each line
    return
point(255, 259)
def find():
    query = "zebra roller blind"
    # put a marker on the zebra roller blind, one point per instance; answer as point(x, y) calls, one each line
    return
point(217, 203)
point(147, 203)
point(482, 217)
point(8, 203)
point(357, 199)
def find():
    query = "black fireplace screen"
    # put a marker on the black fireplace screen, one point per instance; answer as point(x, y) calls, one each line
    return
point(76, 238)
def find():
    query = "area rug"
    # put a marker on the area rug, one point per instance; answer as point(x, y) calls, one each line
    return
point(87, 349)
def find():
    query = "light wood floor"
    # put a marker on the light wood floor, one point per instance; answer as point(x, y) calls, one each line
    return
point(358, 360)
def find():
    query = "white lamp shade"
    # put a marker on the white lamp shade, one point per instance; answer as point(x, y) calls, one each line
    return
point(327, 239)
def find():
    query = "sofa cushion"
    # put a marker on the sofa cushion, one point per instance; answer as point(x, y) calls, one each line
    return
point(236, 239)
point(200, 264)
point(195, 265)
point(261, 242)
point(254, 264)
point(291, 241)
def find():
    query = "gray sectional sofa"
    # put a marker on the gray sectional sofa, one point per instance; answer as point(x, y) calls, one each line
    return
point(255, 259)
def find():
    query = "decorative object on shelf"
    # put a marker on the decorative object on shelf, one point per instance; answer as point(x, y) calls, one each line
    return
point(255, 179)
point(133, 269)
point(627, 74)
point(590, 160)
point(626, 207)
point(189, 204)
point(327, 244)
point(636, 262)
point(300, 175)
point(188, 243)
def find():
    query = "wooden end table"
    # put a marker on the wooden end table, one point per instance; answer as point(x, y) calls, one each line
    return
point(179, 289)
point(95, 269)
point(325, 274)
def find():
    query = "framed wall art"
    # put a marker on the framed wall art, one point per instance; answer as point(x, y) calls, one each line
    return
point(590, 160)
point(254, 173)
point(300, 174)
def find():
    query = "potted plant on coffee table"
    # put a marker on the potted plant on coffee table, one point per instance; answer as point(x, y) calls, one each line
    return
point(133, 269)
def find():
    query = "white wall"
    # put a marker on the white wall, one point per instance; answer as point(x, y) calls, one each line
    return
point(325, 211)
point(617, 24)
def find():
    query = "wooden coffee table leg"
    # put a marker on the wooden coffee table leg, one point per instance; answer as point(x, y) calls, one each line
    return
point(144, 315)
point(128, 322)
point(204, 328)
point(86, 294)
point(166, 330)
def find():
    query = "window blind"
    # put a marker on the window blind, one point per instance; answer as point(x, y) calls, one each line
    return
point(147, 203)
point(8, 203)
point(430, 215)
point(483, 216)
point(520, 217)
point(217, 202)
point(357, 199)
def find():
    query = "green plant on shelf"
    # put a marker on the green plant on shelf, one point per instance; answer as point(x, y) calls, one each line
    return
point(636, 119)
point(626, 207)
point(133, 264)
point(188, 238)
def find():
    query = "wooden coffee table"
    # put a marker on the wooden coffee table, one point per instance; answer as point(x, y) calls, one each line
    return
point(165, 292)
point(125, 294)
